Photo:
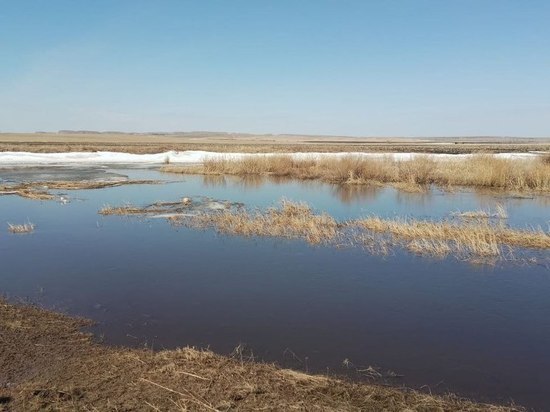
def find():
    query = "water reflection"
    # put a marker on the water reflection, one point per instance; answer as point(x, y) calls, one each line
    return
point(349, 194)
point(419, 198)
point(214, 181)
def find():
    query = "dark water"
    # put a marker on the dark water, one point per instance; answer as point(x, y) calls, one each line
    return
point(445, 325)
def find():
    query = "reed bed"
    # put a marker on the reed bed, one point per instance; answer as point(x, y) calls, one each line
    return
point(290, 220)
point(478, 238)
point(480, 171)
point(21, 229)
point(463, 239)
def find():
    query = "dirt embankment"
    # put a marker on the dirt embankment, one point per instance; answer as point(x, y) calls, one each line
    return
point(47, 363)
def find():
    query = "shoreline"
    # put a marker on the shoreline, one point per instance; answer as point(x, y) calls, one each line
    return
point(49, 363)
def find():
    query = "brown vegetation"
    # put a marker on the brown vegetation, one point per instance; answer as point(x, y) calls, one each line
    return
point(498, 213)
point(47, 363)
point(291, 220)
point(482, 171)
point(476, 237)
point(239, 142)
point(122, 210)
point(40, 190)
point(469, 240)
point(24, 228)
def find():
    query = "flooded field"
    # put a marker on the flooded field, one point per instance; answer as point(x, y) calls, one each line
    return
point(441, 325)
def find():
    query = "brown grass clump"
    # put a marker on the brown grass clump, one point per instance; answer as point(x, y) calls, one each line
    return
point(440, 238)
point(121, 210)
point(498, 213)
point(481, 171)
point(24, 228)
point(30, 194)
point(47, 363)
point(39, 190)
point(290, 220)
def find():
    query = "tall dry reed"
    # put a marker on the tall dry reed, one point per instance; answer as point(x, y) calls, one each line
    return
point(482, 171)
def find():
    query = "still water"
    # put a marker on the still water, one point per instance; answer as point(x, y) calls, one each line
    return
point(441, 325)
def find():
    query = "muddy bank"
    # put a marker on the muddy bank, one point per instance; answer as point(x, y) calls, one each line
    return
point(47, 363)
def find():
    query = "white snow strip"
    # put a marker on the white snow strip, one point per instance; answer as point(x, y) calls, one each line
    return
point(187, 157)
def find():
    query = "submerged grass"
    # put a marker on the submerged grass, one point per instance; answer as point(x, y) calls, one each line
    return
point(24, 228)
point(40, 190)
point(121, 210)
point(481, 171)
point(499, 213)
point(463, 239)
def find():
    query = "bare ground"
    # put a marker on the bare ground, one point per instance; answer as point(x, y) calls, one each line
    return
point(47, 363)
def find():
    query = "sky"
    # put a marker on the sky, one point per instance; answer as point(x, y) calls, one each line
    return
point(331, 67)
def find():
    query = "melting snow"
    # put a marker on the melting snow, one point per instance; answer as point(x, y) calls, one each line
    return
point(188, 157)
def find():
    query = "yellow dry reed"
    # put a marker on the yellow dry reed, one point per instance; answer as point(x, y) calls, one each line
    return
point(480, 171)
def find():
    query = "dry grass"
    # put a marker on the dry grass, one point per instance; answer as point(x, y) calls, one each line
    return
point(246, 143)
point(441, 238)
point(24, 228)
point(47, 363)
point(121, 210)
point(482, 171)
point(26, 193)
point(499, 213)
point(290, 220)
point(469, 240)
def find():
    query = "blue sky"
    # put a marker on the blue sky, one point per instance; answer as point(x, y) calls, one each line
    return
point(366, 68)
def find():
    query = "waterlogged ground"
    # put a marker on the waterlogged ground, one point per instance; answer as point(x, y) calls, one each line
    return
point(444, 325)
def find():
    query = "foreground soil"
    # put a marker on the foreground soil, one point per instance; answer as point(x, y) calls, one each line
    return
point(47, 363)
point(248, 143)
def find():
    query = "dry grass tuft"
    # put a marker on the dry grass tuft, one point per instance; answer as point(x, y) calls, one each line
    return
point(499, 213)
point(121, 210)
point(290, 220)
point(481, 171)
point(24, 228)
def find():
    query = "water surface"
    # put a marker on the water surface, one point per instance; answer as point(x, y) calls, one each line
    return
point(445, 325)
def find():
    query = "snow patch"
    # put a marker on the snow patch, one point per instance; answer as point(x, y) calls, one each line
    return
point(190, 157)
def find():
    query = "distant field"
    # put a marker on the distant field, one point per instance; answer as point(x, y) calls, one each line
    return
point(237, 142)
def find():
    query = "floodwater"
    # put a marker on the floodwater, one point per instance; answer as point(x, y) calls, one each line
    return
point(440, 325)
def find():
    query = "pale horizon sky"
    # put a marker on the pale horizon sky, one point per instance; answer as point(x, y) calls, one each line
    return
point(357, 68)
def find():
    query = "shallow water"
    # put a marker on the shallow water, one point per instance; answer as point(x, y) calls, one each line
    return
point(445, 325)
